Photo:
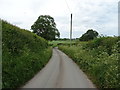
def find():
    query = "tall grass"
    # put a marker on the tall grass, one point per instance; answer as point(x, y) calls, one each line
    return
point(99, 59)
point(23, 55)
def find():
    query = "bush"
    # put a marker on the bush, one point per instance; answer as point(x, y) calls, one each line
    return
point(104, 43)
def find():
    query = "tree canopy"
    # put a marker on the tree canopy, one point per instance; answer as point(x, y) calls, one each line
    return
point(45, 27)
point(89, 35)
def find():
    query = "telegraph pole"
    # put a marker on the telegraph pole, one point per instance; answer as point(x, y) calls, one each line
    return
point(70, 23)
point(71, 30)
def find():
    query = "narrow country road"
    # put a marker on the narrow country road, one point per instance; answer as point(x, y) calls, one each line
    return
point(60, 72)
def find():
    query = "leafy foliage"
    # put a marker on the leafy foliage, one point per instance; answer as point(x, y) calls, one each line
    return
point(89, 35)
point(45, 27)
point(104, 43)
point(23, 55)
point(93, 58)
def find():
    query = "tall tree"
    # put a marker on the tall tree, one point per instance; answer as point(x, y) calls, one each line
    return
point(89, 35)
point(45, 27)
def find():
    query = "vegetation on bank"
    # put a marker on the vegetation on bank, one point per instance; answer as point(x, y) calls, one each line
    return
point(23, 55)
point(99, 59)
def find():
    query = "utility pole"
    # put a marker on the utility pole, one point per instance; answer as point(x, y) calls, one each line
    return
point(71, 30)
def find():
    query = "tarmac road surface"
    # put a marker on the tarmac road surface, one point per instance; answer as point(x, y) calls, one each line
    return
point(60, 72)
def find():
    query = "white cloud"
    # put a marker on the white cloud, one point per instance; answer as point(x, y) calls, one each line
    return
point(100, 15)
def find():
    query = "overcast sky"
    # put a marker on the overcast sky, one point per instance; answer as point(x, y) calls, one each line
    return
point(100, 15)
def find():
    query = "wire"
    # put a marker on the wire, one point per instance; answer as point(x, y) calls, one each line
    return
point(68, 6)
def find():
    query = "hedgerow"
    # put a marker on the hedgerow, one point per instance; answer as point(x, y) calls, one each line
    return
point(23, 55)
point(99, 59)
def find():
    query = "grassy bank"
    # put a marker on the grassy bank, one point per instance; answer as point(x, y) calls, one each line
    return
point(98, 59)
point(23, 55)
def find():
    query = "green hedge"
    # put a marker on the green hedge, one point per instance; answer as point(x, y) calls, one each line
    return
point(23, 55)
point(101, 67)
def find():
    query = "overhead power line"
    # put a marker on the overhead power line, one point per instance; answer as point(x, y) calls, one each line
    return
point(68, 6)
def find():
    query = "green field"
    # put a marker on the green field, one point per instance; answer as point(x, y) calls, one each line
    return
point(99, 59)
point(55, 43)
point(23, 55)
